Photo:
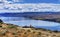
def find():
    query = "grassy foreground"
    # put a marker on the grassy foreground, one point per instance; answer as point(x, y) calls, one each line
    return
point(10, 30)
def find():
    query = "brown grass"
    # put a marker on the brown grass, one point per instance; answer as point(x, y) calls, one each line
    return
point(14, 31)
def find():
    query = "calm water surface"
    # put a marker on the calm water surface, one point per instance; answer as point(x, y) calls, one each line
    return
point(22, 21)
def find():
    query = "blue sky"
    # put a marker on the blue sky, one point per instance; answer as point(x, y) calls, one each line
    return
point(39, 1)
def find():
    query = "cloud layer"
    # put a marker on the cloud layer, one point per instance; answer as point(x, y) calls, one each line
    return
point(41, 7)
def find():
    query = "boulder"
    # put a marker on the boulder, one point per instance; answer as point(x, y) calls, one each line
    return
point(1, 21)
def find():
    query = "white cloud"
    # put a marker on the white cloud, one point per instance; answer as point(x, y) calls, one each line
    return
point(41, 7)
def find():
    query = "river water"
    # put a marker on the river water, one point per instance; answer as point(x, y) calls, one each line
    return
point(22, 21)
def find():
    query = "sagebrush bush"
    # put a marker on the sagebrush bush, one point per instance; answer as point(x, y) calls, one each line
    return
point(11, 26)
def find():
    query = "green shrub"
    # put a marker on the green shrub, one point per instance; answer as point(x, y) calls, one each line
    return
point(39, 33)
point(16, 36)
point(28, 30)
point(3, 32)
point(33, 31)
point(11, 26)
point(14, 33)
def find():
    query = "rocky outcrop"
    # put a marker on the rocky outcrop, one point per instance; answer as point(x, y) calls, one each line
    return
point(1, 21)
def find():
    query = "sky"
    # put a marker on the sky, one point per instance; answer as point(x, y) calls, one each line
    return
point(38, 1)
point(30, 6)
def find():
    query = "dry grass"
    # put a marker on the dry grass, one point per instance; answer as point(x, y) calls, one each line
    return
point(14, 31)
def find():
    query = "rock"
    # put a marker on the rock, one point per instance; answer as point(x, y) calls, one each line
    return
point(1, 21)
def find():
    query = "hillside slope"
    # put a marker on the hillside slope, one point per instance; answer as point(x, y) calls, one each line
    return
point(10, 30)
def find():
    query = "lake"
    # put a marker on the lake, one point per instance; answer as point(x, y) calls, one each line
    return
point(22, 21)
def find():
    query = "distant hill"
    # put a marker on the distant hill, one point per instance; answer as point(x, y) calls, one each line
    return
point(28, 13)
point(46, 16)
